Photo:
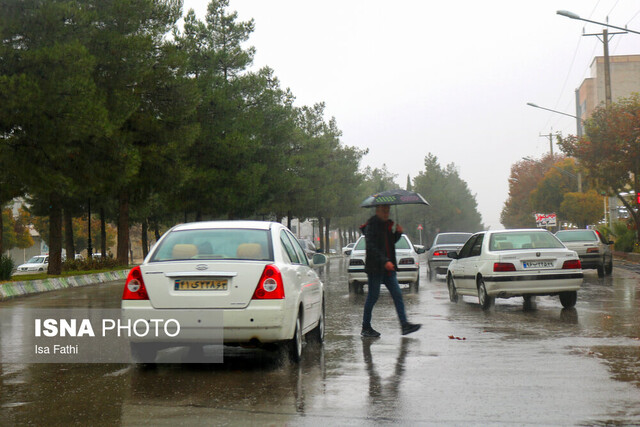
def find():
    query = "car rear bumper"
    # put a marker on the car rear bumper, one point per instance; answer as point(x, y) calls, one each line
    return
point(439, 266)
point(590, 261)
point(264, 321)
point(406, 275)
point(505, 286)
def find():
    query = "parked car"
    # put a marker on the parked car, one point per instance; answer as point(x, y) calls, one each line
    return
point(36, 264)
point(592, 248)
point(511, 263)
point(255, 273)
point(347, 249)
point(443, 243)
point(406, 255)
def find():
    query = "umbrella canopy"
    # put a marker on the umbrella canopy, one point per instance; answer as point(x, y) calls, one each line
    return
point(394, 197)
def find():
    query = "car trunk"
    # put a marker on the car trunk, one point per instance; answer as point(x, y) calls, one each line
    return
point(542, 259)
point(580, 247)
point(202, 284)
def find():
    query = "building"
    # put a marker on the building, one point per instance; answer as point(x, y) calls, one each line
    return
point(625, 80)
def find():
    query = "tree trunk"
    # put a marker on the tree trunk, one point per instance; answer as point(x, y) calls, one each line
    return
point(289, 221)
point(156, 230)
point(103, 233)
point(145, 240)
point(326, 235)
point(55, 235)
point(68, 236)
point(320, 234)
point(123, 228)
point(1, 234)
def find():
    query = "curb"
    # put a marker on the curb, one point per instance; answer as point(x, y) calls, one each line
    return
point(627, 256)
point(24, 288)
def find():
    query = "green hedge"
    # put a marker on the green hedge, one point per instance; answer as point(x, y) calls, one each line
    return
point(6, 267)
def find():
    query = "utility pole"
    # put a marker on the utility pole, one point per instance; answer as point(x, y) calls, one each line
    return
point(607, 67)
point(550, 136)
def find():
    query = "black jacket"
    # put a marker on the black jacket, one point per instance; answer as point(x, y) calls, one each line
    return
point(377, 234)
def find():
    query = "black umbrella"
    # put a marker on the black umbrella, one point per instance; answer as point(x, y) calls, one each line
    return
point(394, 197)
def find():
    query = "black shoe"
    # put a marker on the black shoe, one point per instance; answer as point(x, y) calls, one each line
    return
point(408, 328)
point(369, 332)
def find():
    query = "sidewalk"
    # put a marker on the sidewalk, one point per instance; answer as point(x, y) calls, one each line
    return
point(18, 289)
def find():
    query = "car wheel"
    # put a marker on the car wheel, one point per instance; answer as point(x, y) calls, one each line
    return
point(415, 286)
point(483, 298)
point(608, 269)
point(295, 344)
point(529, 302)
point(601, 269)
point(453, 293)
point(430, 274)
point(568, 299)
point(143, 353)
point(317, 334)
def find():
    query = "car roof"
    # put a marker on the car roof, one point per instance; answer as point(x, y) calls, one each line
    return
point(574, 230)
point(256, 225)
point(454, 232)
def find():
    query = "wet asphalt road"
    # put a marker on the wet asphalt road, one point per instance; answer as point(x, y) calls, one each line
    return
point(508, 366)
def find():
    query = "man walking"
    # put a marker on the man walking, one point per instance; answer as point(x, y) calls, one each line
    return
point(381, 266)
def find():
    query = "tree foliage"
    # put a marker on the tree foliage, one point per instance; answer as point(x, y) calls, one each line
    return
point(609, 151)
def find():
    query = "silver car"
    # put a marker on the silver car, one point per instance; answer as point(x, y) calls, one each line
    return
point(443, 243)
point(592, 248)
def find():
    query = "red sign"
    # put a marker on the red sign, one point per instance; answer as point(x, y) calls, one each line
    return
point(420, 227)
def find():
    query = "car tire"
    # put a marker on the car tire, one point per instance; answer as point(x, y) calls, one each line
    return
point(294, 346)
point(317, 334)
point(430, 274)
point(143, 353)
point(453, 292)
point(415, 286)
point(568, 299)
point(600, 269)
point(608, 269)
point(483, 298)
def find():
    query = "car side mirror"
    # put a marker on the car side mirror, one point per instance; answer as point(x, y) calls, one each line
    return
point(419, 249)
point(347, 253)
point(318, 260)
point(453, 255)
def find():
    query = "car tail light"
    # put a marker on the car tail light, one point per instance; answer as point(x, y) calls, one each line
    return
point(573, 264)
point(134, 288)
point(440, 253)
point(270, 285)
point(406, 261)
point(503, 266)
point(356, 262)
point(592, 250)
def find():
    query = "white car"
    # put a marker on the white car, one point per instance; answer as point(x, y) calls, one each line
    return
point(510, 263)
point(255, 274)
point(406, 255)
point(347, 249)
point(37, 264)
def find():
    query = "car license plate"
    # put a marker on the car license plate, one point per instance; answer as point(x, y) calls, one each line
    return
point(200, 285)
point(538, 264)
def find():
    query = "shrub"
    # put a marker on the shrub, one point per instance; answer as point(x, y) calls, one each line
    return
point(89, 264)
point(625, 237)
point(6, 267)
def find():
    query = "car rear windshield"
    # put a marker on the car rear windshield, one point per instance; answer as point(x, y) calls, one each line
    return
point(451, 239)
point(577, 236)
point(523, 240)
point(215, 244)
point(403, 243)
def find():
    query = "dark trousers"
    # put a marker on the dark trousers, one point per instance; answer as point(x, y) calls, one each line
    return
point(390, 280)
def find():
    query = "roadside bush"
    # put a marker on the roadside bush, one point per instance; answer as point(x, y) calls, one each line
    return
point(6, 267)
point(625, 237)
point(89, 264)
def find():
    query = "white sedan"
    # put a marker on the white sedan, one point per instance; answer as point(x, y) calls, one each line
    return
point(509, 263)
point(37, 264)
point(253, 274)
